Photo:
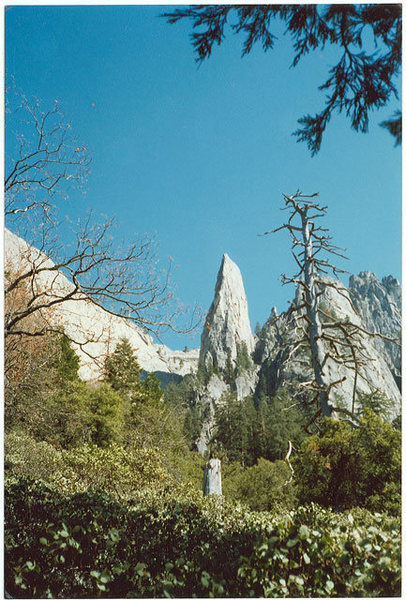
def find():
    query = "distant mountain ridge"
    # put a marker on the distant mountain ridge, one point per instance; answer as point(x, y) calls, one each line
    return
point(374, 305)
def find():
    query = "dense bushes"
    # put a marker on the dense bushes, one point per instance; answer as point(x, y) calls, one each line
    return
point(343, 466)
point(91, 545)
point(120, 472)
point(264, 486)
point(103, 494)
point(124, 415)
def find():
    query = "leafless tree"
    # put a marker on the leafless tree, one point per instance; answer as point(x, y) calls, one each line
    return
point(43, 158)
point(123, 281)
point(329, 338)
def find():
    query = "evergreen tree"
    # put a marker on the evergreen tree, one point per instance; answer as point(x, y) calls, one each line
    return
point(258, 329)
point(151, 390)
point(364, 76)
point(246, 432)
point(122, 371)
point(236, 429)
point(205, 369)
point(49, 401)
point(229, 368)
point(65, 359)
point(184, 400)
point(377, 401)
point(107, 416)
point(243, 361)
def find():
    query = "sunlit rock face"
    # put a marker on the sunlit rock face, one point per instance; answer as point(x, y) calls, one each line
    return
point(96, 331)
point(227, 324)
point(376, 312)
point(372, 304)
point(379, 305)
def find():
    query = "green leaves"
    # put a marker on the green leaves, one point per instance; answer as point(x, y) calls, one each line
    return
point(159, 545)
point(343, 467)
point(303, 532)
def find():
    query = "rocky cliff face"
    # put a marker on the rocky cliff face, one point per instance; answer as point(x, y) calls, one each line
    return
point(280, 369)
point(227, 324)
point(369, 303)
point(379, 305)
point(96, 331)
point(375, 305)
point(226, 342)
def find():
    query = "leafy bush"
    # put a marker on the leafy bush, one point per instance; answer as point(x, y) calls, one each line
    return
point(119, 471)
point(343, 467)
point(157, 545)
point(261, 487)
point(26, 457)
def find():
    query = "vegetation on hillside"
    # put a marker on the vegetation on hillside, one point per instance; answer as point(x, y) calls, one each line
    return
point(157, 545)
point(103, 493)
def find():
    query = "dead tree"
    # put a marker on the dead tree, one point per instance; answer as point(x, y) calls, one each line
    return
point(212, 477)
point(123, 283)
point(329, 338)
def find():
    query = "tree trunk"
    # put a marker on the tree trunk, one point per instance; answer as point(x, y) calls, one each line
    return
point(315, 329)
point(212, 477)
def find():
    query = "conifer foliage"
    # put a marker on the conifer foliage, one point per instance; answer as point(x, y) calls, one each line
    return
point(362, 80)
point(122, 370)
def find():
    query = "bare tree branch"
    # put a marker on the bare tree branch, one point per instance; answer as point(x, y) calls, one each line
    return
point(329, 339)
point(91, 267)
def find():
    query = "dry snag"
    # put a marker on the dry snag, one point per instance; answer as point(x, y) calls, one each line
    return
point(330, 339)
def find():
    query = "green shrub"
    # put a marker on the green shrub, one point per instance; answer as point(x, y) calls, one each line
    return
point(26, 457)
point(120, 472)
point(157, 545)
point(261, 487)
point(343, 467)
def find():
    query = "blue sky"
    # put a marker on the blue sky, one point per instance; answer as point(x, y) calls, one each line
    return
point(201, 155)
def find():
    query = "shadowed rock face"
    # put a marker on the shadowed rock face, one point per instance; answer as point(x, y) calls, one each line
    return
point(227, 323)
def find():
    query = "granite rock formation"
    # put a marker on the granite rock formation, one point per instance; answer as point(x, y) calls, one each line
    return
point(379, 305)
point(95, 330)
point(227, 343)
point(281, 370)
point(227, 324)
